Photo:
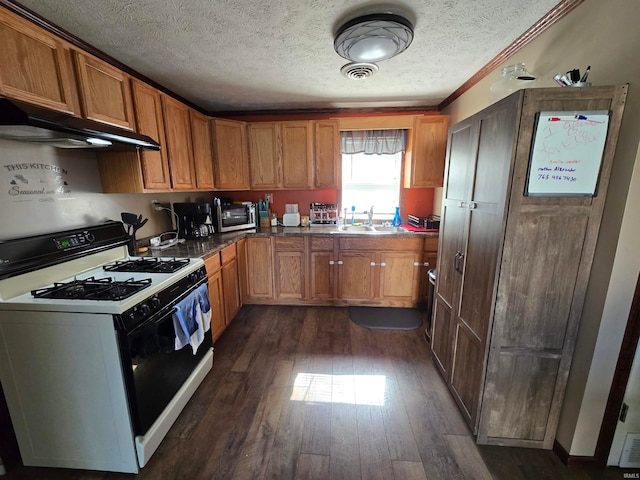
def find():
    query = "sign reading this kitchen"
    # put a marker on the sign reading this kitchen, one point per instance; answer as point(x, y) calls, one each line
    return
point(29, 181)
point(567, 153)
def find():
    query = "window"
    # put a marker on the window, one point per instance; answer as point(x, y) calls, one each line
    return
point(371, 169)
point(371, 180)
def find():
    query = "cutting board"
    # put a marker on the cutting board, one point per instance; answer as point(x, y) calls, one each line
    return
point(413, 228)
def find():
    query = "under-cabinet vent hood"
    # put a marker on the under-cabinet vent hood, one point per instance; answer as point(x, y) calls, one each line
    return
point(29, 123)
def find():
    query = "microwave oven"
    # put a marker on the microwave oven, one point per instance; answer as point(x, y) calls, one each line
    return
point(231, 217)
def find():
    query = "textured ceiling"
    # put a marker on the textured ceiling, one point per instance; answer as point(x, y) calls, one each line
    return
point(233, 55)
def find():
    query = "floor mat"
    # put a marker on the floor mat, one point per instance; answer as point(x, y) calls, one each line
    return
point(386, 318)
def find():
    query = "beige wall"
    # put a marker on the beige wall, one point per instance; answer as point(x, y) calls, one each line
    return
point(31, 169)
point(605, 36)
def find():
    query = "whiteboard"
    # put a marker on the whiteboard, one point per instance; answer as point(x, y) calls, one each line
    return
point(567, 153)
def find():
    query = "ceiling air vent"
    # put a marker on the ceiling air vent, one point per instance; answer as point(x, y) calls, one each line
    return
point(359, 70)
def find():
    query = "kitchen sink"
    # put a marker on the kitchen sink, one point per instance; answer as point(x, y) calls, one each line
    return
point(369, 229)
point(356, 228)
point(384, 228)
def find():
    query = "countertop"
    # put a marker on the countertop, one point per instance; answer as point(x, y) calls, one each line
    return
point(209, 246)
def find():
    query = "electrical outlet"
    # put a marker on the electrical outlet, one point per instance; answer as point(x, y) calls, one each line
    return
point(156, 206)
point(268, 197)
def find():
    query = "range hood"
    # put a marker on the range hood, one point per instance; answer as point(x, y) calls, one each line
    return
point(29, 123)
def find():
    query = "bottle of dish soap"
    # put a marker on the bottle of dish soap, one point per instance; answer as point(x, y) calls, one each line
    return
point(397, 221)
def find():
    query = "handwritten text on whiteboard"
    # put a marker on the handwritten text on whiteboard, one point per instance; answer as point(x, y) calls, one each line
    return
point(567, 152)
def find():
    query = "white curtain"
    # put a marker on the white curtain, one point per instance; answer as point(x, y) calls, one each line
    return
point(372, 142)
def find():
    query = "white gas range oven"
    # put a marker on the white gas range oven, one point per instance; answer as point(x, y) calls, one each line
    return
point(88, 361)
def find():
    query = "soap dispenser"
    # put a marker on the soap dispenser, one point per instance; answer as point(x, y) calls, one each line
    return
point(397, 221)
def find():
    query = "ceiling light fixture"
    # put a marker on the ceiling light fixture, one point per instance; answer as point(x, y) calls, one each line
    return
point(373, 38)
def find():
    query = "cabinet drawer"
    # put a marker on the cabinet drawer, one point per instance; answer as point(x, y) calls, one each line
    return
point(321, 244)
point(227, 254)
point(212, 263)
point(381, 244)
point(289, 244)
point(430, 244)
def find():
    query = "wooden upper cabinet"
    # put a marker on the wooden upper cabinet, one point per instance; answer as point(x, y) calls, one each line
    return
point(230, 160)
point(281, 154)
point(265, 158)
point(326, 152)
point(35, 67)
point(202, 150)
point(149, 121)
point(297, 154)
point(425, 165)
point(105, 92)
point(177, 126)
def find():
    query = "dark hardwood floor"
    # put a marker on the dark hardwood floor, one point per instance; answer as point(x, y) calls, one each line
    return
point(302, 392)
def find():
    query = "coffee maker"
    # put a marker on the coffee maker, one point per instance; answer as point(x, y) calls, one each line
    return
point(194, 220)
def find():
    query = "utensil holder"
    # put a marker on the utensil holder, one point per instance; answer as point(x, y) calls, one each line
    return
point(132, 245)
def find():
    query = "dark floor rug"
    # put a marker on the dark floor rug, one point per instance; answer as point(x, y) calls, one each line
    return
point(386, 318)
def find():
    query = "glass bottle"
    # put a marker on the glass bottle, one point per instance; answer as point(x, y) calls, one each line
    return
point(397, 221)
point(514, 77)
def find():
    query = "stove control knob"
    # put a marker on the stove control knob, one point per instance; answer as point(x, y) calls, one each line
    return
point(89, 237)
point(155, 303)
point(144, 309)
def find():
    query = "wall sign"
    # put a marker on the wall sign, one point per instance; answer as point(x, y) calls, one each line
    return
point(567, 153)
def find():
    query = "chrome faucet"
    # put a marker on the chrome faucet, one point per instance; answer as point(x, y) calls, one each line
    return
point(370, 215)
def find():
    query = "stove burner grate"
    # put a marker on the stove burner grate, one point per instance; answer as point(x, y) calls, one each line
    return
point(148, 265)
point(93, 289)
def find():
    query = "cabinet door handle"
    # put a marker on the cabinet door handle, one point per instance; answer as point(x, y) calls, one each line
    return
point(373, 264)
point(383, 264)
point(461, 204)
point(472, 205)
point(417, 264)
point(340, 262)
point(460, 261)
point(425, 264)
point(331, 262)
point(457, 261)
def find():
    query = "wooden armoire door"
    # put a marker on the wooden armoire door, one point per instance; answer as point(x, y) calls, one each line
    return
point(460, 154)
point(485, 205)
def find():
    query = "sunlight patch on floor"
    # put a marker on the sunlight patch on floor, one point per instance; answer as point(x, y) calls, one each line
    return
point(350, 389)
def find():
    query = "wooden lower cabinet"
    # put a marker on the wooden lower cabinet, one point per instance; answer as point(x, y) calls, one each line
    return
point(241, 256)
point(259, 269)
point(289, 267)
point(216, 295)
point(356, 275)
point(400, 276)
point(231, 287)
point(329, 270)
point(322, 273)
point(381, 271)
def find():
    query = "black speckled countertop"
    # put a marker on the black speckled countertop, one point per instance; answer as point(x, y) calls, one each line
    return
point(207, 247)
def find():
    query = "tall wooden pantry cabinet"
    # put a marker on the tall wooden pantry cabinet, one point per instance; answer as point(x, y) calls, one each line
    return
point(525, 185)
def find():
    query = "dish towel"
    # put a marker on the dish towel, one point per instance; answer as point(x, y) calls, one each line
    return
point(192, 318)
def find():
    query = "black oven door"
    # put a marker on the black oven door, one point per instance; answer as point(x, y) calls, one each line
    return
point(154, 371)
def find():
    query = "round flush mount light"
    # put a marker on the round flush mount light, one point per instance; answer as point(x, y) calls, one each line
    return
point(373, 38)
